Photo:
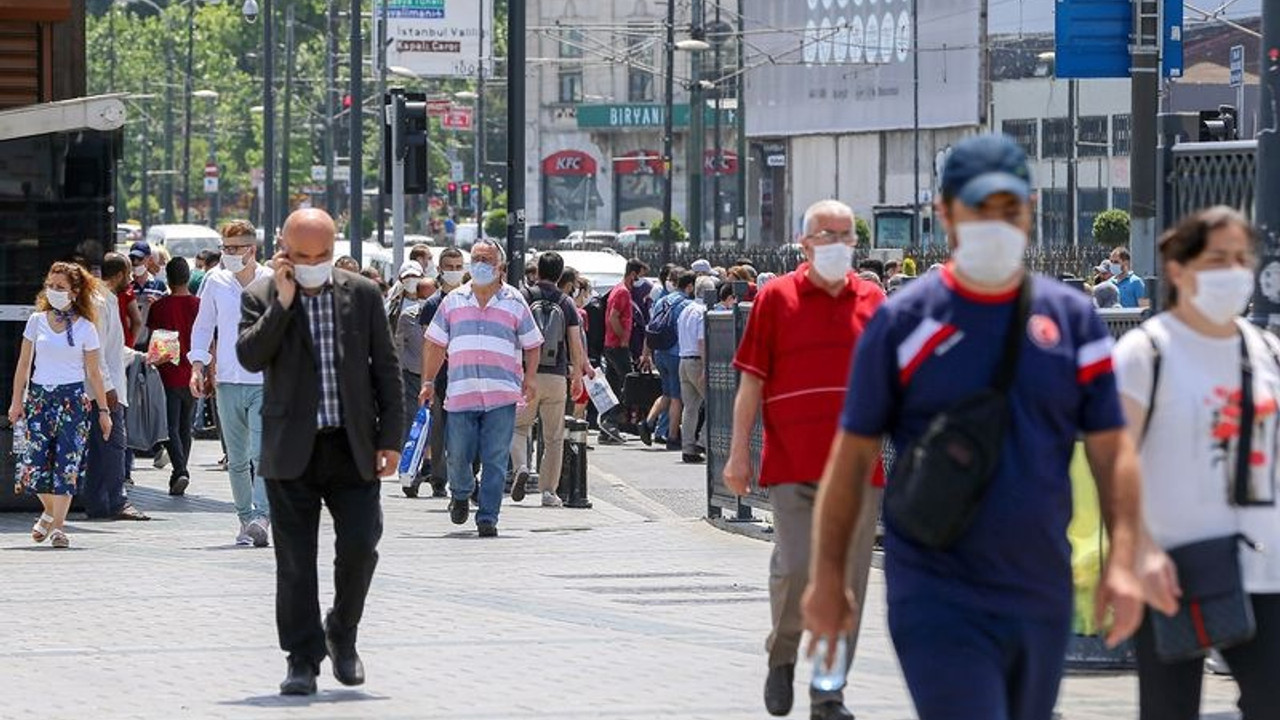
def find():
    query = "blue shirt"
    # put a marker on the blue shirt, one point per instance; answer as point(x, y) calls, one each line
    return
point(1131, 288)
point(933, 344)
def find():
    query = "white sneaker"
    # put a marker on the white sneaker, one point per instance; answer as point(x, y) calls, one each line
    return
point(243, 539)
point(162, 459)
point(550, 499)
point(258, 531)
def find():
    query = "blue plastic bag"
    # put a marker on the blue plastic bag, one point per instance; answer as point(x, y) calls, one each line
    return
point(415, 446)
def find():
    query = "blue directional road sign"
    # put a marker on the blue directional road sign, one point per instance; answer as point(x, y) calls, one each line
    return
point(1171, 39)
point(1092, 38)
point(1237, 65)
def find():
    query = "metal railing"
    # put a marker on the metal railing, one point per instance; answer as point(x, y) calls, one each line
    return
point(1212, 173)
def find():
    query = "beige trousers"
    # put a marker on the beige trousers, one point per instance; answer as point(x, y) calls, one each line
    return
point(550, 406)
point(793, 507)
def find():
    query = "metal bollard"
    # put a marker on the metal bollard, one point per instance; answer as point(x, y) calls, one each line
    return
point(573, 474)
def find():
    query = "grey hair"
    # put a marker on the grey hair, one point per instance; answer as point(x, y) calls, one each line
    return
point(704, 285)
point(502, 253)
point(825, 207)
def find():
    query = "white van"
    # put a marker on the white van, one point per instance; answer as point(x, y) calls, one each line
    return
point(184, 241)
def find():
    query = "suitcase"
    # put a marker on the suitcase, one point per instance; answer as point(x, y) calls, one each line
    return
point(640, 391)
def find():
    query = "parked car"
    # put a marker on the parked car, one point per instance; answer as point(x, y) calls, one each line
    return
point(373, 255)
point(603, 269)
point(185, 241)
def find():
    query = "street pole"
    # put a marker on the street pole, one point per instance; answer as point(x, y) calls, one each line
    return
point(1266, 305)
point(1145, 89)
point(740, 121)
point(215, 204)
point(290, 50)
point(355, 233)
point(267, 220)
point(381, 58)
point(188, 88)
point(717, 213)
point(399, 149)
point(915, 121)
point(330, 82)
point(670, 101)
point(1073, 112)
point(146, 162)
point(696, 140)
point(479, 127)
point(169, 155)
point(516, 54)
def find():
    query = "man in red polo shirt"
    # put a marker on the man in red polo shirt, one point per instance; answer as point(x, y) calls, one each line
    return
point(794, 361)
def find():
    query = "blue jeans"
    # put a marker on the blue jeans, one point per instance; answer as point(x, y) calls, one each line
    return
point(485, 435)
point(102, 488)
point(240, 417)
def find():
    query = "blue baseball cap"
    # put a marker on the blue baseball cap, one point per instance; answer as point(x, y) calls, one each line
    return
point(140, 249)
point(984, 165)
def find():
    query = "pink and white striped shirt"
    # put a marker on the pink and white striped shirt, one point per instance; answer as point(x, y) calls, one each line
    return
point(485, 346)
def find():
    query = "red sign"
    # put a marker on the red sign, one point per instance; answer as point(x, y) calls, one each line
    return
point(569, 162)
point(210, 170)
point(728, 164)
point(438, 108)
point(458, 118)
point(638, 162)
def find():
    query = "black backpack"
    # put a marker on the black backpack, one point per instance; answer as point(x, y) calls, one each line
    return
point(550, 319)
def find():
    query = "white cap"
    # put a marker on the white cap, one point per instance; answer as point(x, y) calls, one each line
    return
point(411, 268)
point(702, 266)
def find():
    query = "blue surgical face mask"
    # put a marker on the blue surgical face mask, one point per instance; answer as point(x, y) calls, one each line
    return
point(1116, 269)
point(483, 273)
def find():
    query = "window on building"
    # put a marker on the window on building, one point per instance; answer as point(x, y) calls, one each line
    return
point(1056, 133)
point(1120, 199)
point(1120, 134)
point(571, 86)
point(571, 44)
point(1053, 203)
point(640, 57)
point(1024, 133)
point(1090, 204)
point(1092, 136)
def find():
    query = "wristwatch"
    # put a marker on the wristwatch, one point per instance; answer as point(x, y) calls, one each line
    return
point(103, 411)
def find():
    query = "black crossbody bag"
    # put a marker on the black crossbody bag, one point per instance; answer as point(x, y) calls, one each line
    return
point(1215, 611)
point(939, 483)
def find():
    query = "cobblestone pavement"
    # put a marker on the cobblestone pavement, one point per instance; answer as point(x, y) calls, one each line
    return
point(626, 612)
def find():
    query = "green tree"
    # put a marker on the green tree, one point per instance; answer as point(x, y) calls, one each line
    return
point(1111, 228)
point(863, 230)
point(495, 224)
point(678, 233)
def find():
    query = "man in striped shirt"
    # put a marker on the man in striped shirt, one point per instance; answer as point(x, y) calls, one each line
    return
point(488, 333)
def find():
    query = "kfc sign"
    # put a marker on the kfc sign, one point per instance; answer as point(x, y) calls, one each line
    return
point(569, 162)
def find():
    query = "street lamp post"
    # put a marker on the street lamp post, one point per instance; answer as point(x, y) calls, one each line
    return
point(287, 134)
point(186, 122)
point(215, 196)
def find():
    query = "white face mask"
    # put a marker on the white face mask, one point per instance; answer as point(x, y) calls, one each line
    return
point(671, 287)
point(140, 271)
point(452, 278)
point(312, 277)
point(989, 251)
point(59, 299)
point(833, 261)
point(411, 287)
point(234, 263)
point(430, 270)
point(1222, 294)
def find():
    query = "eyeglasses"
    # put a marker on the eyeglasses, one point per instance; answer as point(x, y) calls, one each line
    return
point(235, 249)
point(827, 236)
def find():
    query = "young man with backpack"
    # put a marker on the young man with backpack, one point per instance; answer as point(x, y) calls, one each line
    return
point(560, 367)
point(663, 340)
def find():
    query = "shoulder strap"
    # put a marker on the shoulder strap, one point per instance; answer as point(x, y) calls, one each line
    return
point(1244, 443)
point(1013, 338)
point(1155, 381)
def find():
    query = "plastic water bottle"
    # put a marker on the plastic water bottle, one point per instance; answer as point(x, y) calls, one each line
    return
point(830, 678)
point(20, 438)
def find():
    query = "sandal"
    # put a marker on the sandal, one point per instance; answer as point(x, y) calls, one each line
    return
point(129, 512)
point(40, 531)
point(59, 539)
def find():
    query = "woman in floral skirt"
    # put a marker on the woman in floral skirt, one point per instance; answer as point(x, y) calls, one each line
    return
point(63, 342)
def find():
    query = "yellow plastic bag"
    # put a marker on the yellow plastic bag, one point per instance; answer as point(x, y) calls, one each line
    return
point(1088, 542)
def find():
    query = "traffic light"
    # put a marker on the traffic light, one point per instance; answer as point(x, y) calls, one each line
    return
point(1219, 125)
point(453, 193)
point(408, 140)
point(466, 194)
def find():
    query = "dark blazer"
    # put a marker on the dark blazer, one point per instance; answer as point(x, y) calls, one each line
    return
point(277, 342)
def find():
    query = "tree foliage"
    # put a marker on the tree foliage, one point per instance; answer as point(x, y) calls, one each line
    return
point(863, 230)
point(1111, 228)
point(495, 224)
point(678, 233)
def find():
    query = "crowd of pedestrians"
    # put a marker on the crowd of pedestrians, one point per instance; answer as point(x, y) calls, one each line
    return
point(949, 406)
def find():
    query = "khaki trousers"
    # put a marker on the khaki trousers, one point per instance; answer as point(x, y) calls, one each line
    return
point(692, 395)
point(550, 406)
point(793, 507)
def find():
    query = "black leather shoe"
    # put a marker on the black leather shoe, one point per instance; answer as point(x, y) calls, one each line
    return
point(646, 432)
point(519, 485)
point(347, 666)
point(487, 530)
point(779, 690)
point(459, 511)
point(301, 679)
point(692, 459)
point(830, 710)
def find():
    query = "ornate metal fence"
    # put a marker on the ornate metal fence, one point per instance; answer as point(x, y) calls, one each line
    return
point(1206, 174)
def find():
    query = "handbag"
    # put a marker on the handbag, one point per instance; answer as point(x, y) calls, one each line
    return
point(1215, 611)
point(939, 482)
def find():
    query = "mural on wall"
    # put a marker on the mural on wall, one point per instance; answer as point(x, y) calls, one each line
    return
point(570, 193)
point(638, 186)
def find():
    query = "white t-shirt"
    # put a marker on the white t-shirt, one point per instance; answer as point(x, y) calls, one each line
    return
point(1188, 456)
point(56, 362)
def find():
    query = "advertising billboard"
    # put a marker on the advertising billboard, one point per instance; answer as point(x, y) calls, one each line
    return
point(436, 38)
point(836, 66)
